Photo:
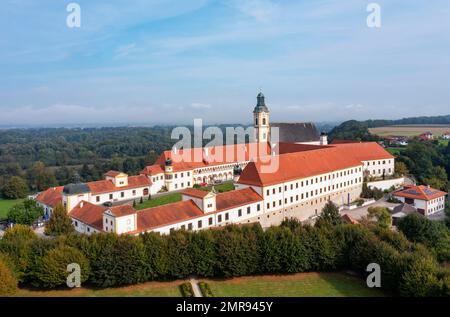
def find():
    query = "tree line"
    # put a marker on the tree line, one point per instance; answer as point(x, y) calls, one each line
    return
point(108, 260)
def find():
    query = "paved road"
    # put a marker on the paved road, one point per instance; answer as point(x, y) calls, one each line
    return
point(360, 212)
point(195, 287)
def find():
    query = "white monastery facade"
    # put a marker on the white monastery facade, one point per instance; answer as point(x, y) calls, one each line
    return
point(310, 173)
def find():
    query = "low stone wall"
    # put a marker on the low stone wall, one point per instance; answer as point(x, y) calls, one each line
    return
point(386, 184)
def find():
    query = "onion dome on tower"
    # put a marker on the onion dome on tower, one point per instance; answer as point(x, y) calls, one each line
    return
point(261, 104)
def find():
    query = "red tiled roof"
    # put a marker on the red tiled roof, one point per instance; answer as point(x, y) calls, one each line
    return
point(106, 186)
point(167, 214)
point(123, 210)
point(88, 213)
point(348, 219)
point(236, 198)
point(299, 165)
point(365, 151)
point(420, 192)
point(51, 197)
point(193, 192)
point(185, 210)
point(113, 173)
point(294, 147)
point(217, 155)
point(152, 170)
point(342, 141)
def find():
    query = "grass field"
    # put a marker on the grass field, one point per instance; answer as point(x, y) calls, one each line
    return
point(301, 285)
point(5, 205)
point(150, 289)
point(395, 150)
point(443, 142)
point(410, 130)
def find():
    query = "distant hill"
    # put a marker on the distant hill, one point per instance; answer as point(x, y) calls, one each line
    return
point(359, 130)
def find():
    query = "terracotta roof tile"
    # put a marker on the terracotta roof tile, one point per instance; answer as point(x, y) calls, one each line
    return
point(123, 210)
point(217, 155)
point(420, 192)
point(113, 173)
point(167, 214)
point(193, 192)
point(106, 186)
point(236, 198)
point(51, 197)
point(365, 151)
point(299, 165)
point(152, 170)
point(89, 214)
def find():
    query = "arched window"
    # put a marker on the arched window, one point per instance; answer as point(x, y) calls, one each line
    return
point(264, 121)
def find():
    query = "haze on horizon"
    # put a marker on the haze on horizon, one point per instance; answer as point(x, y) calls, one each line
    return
point(170, 61)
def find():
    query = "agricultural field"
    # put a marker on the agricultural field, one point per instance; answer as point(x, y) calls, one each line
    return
point(410, 130)
point(149, 289)
point(5, 205)
point(301, 285)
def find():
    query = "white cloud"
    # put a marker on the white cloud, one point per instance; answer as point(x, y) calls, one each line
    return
point(261, 10)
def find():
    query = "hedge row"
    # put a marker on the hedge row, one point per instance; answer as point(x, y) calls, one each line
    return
point(206, 290)
point(109, 260)
point(186, 290)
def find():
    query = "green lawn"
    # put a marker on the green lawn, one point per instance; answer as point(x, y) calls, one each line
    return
point(224, 187)
point(443, 142)
point(296, 285)
point(161, 200)
point(395, 150)
point(171, 198)
point(150, 289)
point(5, 205)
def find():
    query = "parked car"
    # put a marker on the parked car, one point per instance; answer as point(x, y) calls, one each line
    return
point(107, 204)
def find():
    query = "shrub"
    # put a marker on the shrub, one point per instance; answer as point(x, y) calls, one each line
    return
point(59, 223)
point(420, 278)
point(8, 282)
point(19, 232)
point(52, 271)
point(186, 290)
point(205, 289)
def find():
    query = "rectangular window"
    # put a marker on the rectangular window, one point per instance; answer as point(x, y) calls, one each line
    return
point(190, 226)
point(122, 194)
point(97, 198)
point(240, 213)
point(219, 218)
point(268, 191)
point(227, 216)
point(258, 207)
point(248, 210)
point(199, 224)
point(110, 196)
point(210, 221)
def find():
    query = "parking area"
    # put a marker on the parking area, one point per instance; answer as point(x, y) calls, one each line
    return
point(360, 212)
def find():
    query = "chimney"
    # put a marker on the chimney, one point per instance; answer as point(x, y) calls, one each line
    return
point(81, 204)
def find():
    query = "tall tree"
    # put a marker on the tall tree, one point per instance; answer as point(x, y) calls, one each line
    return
point(16, 188)
point(330, 215)
point(25, 213)
point(59, 223)
point(40, 178)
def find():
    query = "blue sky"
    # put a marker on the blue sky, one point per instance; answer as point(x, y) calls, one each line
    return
point(169, 61)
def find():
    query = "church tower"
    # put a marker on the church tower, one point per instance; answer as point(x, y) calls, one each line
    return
point(261, 120)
